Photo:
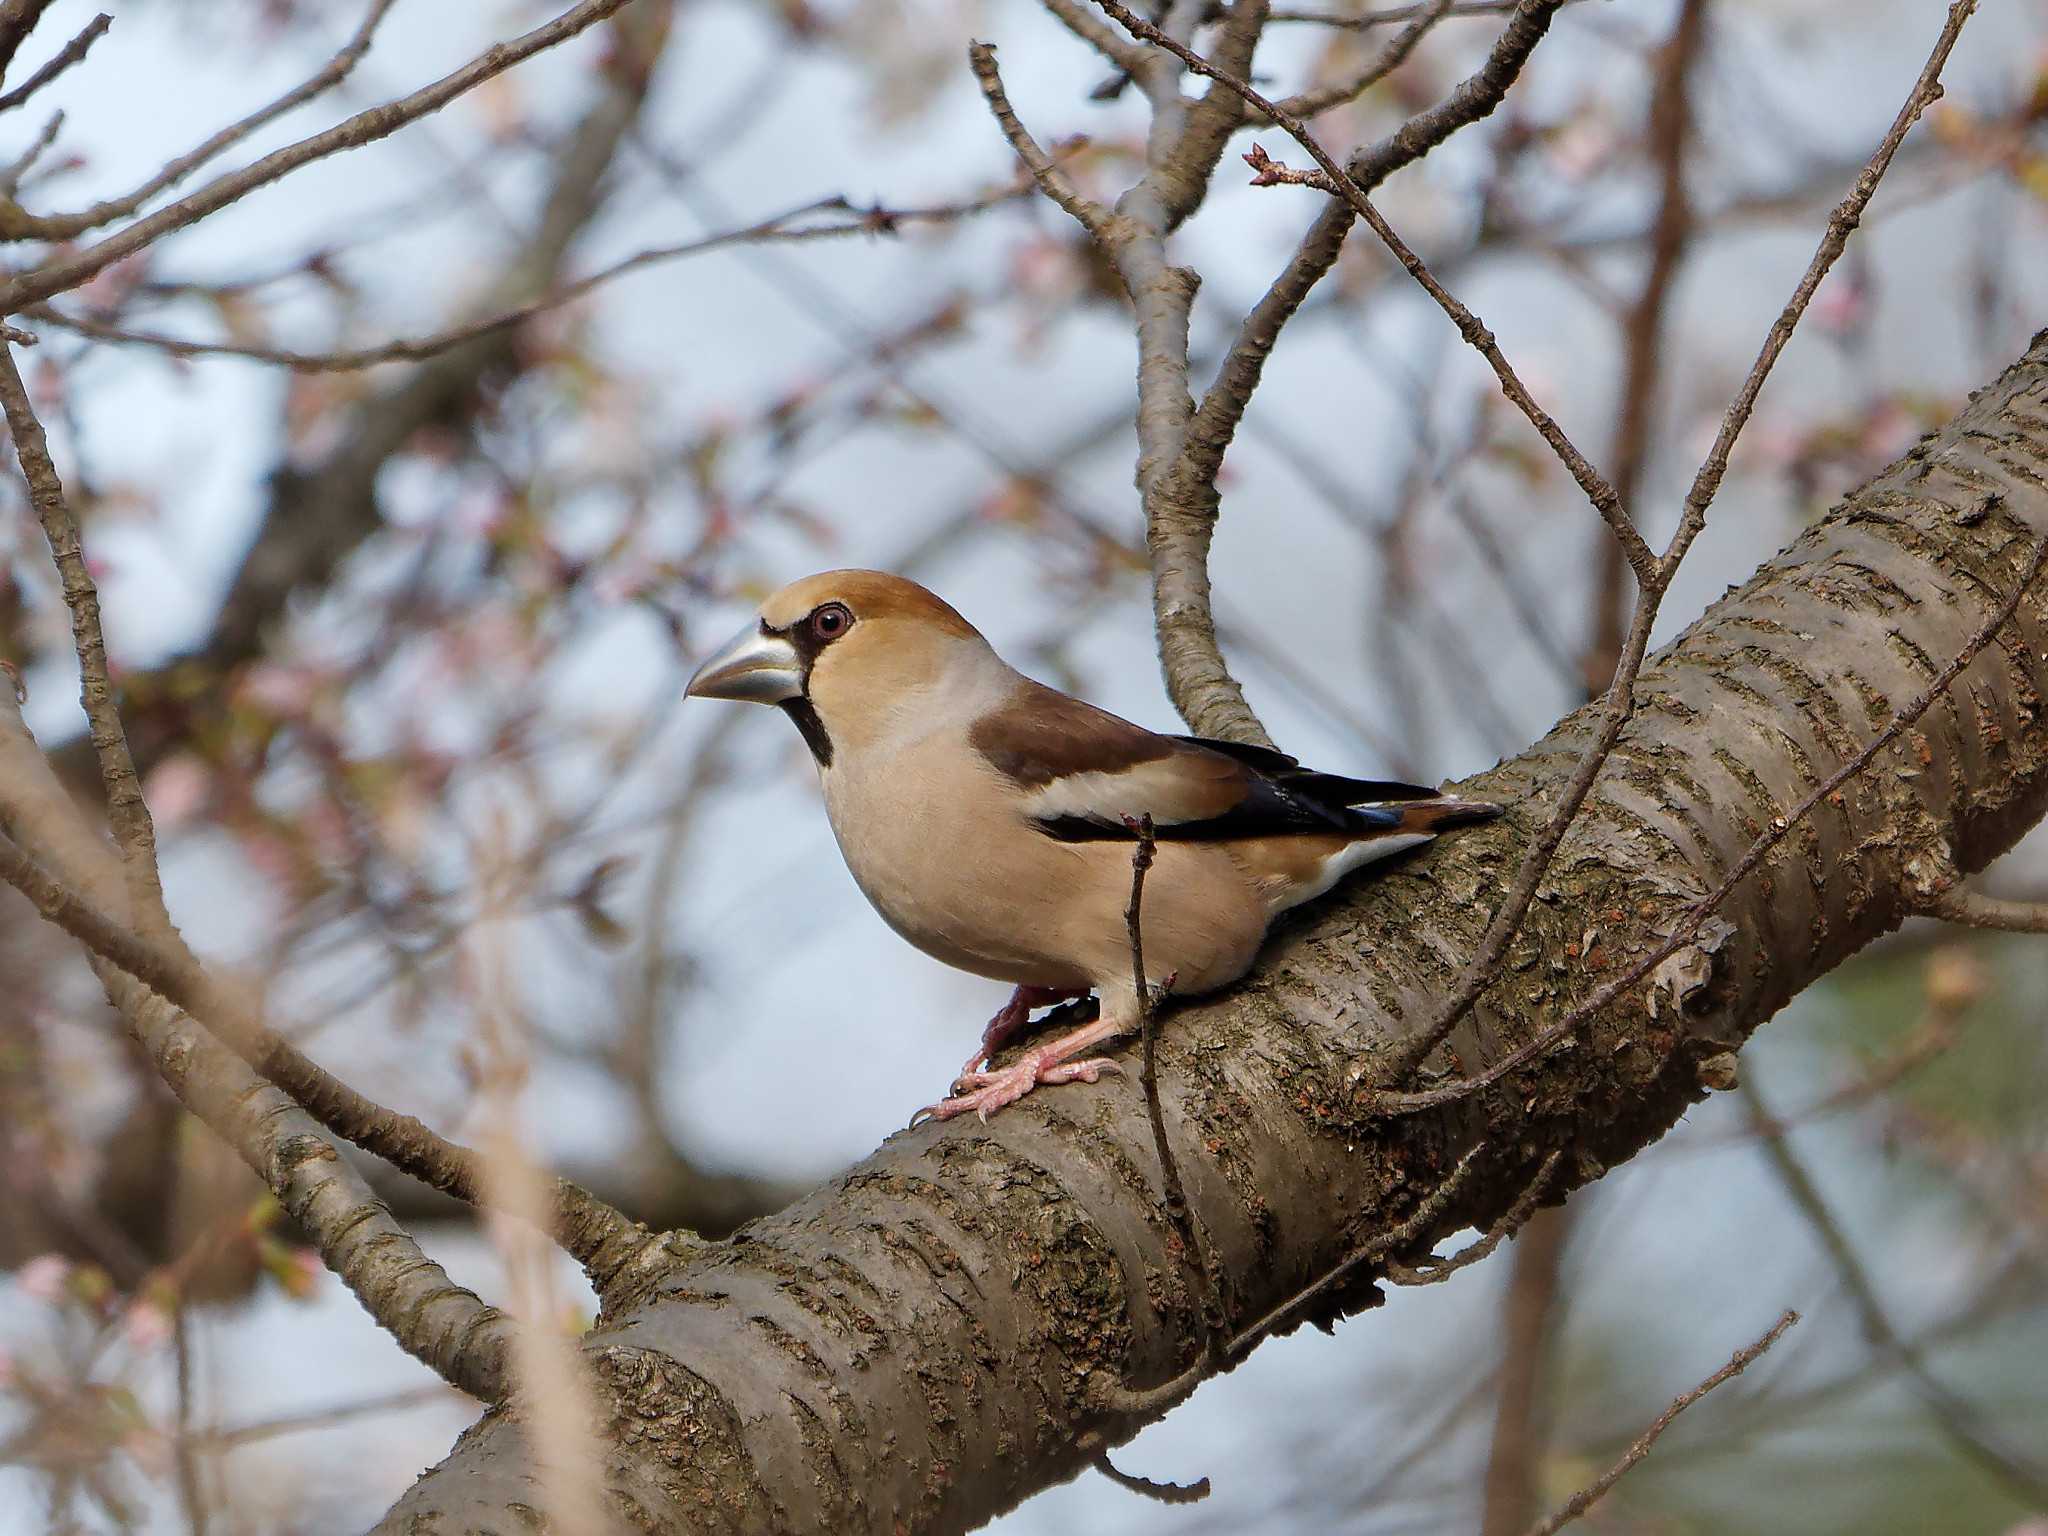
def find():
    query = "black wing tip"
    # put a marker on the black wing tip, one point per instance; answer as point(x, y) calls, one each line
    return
point(1385, 790)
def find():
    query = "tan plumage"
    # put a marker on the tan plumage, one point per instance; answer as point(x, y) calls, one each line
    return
point(988, 818)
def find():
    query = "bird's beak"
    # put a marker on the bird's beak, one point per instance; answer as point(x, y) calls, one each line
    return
point(756, 666)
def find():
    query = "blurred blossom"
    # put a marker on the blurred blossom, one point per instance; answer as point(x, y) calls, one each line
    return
point(177, 789)
point(146, 1326)
point(280, 691)
point(1582, 146)
point(43, 1277)
point(1842, 306)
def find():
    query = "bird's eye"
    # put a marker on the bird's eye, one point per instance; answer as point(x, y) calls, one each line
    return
point(831, 621)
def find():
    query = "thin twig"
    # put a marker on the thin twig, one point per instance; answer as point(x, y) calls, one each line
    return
point(1237, 379)
point(1091, 215)
point(365, 127)
point(1669, 130)
point(1390, 15)
point(66, 56)
point(1757, 852)
point(1977, 911)
point(1841, 224)
point(1338, 182)
point(17, 223)
point(1484, 967)
point(1229, 394)
point(1159, 1493)
point(1150, 1400)
point(1194, 1253)
point(1390, 58)
point(23, 163)
point(1960, 1422)
point(1590, 1495)
point(861, 221)
point(1435, 1272)
point(599, 1237)
point(127, 813)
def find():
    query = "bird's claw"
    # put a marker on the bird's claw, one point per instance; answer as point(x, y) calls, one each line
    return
point(987, 1093)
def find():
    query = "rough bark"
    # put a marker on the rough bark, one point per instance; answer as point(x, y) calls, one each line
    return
point(924, 1342)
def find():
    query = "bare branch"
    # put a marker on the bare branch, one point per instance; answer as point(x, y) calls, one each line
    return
point(1092, 216)
point(18, 224)
point(1387, 16)
point(1669, 128)
point(1339, 183)
point(365, 127)
point(66, 56)
point(1436, 1271)
point(1290, 1312)
point(1125, 55)
point(1594, 1492)
point(1841, 224)
point(126, 810)
point(1973, 910)
point(1228, 396)
point(1656, 582)
point(1195, 1252)
point(1958, 1420)
point(1696, 915)
point(858, 221)
point(438, 1322)
point(1384, 63)
point(1145, 1487)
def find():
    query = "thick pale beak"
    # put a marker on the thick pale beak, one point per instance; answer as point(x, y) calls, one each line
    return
point(757, 666)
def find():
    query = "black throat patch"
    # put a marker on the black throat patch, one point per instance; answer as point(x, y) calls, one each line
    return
point(811, 728)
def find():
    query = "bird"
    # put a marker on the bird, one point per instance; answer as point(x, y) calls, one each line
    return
point(992, 820)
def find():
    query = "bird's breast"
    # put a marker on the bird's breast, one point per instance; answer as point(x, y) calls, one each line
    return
point(939, 851)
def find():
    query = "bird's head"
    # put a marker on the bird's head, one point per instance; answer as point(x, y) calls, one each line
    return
point(845, 654)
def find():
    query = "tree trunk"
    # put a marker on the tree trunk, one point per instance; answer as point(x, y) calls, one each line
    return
point(923, 1343)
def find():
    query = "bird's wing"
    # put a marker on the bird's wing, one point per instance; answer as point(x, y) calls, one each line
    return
point(1083, 774)
point(1335, 788)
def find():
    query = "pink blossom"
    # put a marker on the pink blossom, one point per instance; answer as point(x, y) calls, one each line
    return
point(1842, 306)
point(177, 789)
point(281, 691)
point(307, 1272)
point(43, 1277)
point(146, 1326)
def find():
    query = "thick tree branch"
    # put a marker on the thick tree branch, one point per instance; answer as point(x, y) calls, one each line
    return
point(954, 1324)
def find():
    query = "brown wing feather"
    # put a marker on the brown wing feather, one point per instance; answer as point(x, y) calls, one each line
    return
point(1086, 770)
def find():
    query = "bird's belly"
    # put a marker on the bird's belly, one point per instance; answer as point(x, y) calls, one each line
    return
point(960, 878)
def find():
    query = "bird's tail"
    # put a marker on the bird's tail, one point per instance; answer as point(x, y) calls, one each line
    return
point(1440, 815)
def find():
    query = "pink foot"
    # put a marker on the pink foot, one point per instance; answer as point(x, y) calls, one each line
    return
point(987, 1092)
point(1013, 1016)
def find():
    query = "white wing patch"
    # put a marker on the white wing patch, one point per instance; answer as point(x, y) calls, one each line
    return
point(1345, 860)
point(1161, 789)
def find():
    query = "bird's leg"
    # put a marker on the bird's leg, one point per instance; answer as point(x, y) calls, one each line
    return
point(1013, 1016)
point(986, 1092)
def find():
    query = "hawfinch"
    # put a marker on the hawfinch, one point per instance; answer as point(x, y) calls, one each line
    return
point(991, 820)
